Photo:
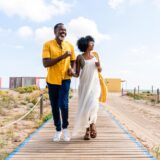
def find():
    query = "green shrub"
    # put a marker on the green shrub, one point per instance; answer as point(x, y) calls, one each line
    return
point(27, 89)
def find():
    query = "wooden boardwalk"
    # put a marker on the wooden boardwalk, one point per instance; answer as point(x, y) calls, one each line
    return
point(112, 143)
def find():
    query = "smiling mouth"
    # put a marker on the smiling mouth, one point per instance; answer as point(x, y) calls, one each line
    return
point(62, 35)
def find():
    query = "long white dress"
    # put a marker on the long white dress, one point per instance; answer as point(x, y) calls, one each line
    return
point(88, 97)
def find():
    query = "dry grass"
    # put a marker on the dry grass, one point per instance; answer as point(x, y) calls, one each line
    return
point(13, 105)
point(143, 96)
point(156, 151)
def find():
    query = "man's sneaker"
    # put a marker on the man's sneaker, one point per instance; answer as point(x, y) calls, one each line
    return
point(57, 136)
point(66, 135)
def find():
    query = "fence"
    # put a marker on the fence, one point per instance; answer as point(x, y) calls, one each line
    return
point(40, 101)
point(136, 93)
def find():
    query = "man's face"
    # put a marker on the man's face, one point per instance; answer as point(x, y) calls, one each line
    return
point(60, 32)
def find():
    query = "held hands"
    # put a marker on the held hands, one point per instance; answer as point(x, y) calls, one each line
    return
point(71, 72)
point(66, 54)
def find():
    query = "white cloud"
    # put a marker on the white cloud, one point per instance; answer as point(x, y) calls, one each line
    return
point(114, 4)
point(135, 2)
point(74, 31)
point(40, 35)
point(25, 31)
point(156, 3)
point(35, 10)
point(81, 27)
point(76, 28)
point(43, 34)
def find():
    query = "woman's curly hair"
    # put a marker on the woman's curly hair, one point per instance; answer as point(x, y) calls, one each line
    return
point(82, 43)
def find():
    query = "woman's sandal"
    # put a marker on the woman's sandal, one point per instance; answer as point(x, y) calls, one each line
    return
point(87, 135)
point(93, 132)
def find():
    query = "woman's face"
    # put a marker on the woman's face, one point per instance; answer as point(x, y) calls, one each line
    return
point(90, 46)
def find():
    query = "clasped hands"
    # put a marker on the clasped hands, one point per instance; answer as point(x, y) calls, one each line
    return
point(71, 72)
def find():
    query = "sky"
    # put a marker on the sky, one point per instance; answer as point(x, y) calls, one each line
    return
point(126, 33)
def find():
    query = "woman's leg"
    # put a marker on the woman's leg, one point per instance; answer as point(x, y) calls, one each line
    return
point(93, 132)
point(87, 134)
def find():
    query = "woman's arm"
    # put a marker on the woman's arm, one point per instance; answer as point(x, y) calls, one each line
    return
point(98, 65)
point(76, 73)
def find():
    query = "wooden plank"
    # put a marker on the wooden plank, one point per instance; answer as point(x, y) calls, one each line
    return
point(111, 143)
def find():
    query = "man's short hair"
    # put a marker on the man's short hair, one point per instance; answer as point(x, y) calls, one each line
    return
point(57, 25)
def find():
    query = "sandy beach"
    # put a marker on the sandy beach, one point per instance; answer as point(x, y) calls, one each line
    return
point(142, 119)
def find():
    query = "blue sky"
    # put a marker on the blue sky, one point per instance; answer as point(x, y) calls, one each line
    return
point(126, 33)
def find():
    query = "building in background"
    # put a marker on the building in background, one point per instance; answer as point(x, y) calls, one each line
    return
point(114, 84)
point(15, 82)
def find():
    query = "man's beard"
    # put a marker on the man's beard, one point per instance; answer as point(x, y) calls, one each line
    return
point(61, 38)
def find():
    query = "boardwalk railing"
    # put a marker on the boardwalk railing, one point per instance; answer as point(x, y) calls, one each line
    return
point(40, 100)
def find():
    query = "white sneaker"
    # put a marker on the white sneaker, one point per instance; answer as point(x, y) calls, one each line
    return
point(66, 135)
point(57, 136)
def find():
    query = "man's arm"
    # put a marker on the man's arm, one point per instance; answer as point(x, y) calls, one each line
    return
point(47, 62)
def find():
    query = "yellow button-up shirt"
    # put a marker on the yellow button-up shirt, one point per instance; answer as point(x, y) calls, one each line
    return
point(58, 72)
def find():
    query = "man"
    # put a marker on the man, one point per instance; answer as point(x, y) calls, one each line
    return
point(58, 55)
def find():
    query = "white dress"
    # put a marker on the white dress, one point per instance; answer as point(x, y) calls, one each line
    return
point(88, 97)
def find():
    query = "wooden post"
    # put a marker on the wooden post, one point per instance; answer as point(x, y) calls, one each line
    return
point(152, 89)
point(138, 89)
point(158, 95)
point(122, 91)
point(134, 93)
point(41, 106)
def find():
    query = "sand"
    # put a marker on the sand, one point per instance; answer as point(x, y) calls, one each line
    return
point(141, 119)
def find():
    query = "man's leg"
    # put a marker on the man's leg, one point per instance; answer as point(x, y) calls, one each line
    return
point(53, 91)
point(63, 101)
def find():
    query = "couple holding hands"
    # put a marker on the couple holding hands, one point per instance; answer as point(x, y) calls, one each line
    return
point(61, 63)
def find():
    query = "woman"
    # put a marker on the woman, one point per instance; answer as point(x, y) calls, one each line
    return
point(87, 67)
